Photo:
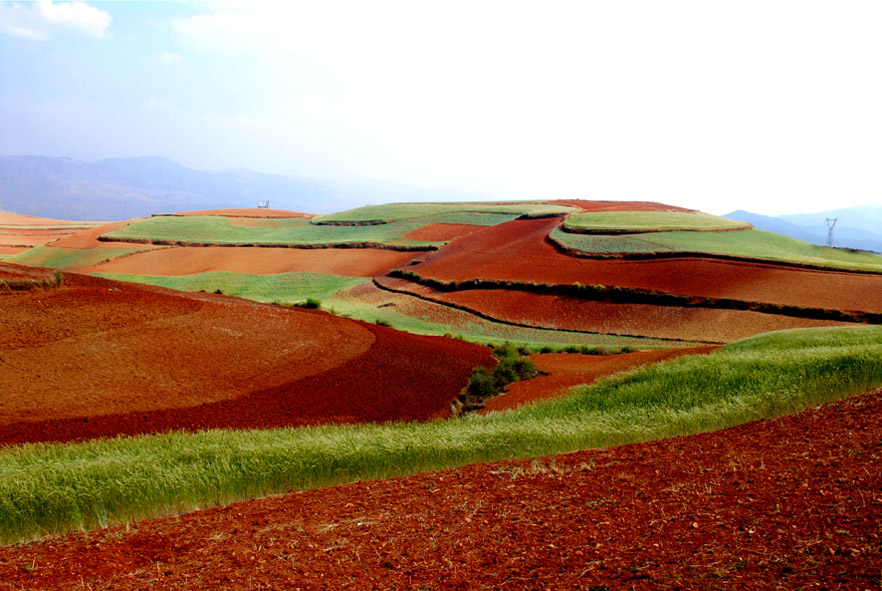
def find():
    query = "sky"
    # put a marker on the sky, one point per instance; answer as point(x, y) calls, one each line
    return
point(770, 106)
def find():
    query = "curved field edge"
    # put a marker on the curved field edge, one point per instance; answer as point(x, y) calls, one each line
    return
point(753, 244)
point(285, 288)
point(51, 488)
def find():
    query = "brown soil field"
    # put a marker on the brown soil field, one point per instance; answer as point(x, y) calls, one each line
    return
point(99, 358)
point(440, 232)
point(791, 503)
point(568, 313)
point(12, 249)
point(32, 236)
point(186, 260)
point(518, 251)
point(87, 239)
point(248, 213)
point(585, 205)
point(28, 220)
point(567, 370)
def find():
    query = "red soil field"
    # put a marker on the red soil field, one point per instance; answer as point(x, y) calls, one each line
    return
point(567, 370)
point(440, 232)
point(248, 213)
point(791, 503)
point(518, 251)
point(186, 260)
point(562, 312)
point(99, 358)
point(619, 205)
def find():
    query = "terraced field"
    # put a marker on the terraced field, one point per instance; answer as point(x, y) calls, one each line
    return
point(142, 392)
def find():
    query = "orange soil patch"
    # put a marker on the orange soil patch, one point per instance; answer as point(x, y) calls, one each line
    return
point(668, 322)
point(791, 503)
point(519, 251)
point(28, 220)
point(12, 249)
point(87, 239)
point(586, 205)
point(440, 232)
point(100, 358)
point(248, 213)
point(362, 262)
point(568, 370)
point(32, 236)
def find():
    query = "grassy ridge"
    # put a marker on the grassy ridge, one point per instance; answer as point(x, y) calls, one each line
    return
point(392, 212)
point(285, 288)
point(66, 258)
point(757, 244)
point(650, 221)
point(56, 488)
point(219, 230)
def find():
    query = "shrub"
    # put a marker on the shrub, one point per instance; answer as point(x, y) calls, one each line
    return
point(481, 383)
point(312, 303)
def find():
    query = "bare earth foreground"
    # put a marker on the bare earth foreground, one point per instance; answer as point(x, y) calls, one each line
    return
point(792, 503)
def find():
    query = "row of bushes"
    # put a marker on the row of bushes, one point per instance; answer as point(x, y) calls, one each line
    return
point(484, 384)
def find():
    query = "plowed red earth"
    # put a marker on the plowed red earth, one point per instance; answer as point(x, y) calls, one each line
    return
point(440, 232)
point(518, 251)
point(792, 503)
point(561, 312)
point(355, 262)
point(100, 358)
point(567, 370)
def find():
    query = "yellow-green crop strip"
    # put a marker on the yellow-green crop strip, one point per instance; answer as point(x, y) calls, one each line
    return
point(67, 258)
point(644, 221)
point(756, 244)
point(46, 488)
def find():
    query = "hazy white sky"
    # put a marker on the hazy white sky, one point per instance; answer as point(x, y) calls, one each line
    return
point(770, 106)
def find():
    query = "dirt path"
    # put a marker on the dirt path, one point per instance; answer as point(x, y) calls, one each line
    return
point(793, 503)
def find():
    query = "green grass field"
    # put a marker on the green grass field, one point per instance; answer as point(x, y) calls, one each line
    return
point(219, 230)
point(650, 221)
point(283, 288)
point(757, 244)
point(402, 211)
point(66, 258)
point(49, 488)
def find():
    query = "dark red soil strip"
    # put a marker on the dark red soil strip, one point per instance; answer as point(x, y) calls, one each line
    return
point(385, 286)
point(519, 251)
point(630, 295)
point(402, 377)
point(792, 503)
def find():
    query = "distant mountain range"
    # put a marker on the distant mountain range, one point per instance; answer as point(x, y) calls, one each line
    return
point(856, 227)
point(124, 188)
